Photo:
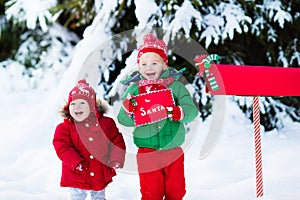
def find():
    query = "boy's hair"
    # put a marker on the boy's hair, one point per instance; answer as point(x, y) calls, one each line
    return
point(152, 44)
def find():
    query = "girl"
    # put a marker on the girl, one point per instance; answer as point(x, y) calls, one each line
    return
point(88, 143)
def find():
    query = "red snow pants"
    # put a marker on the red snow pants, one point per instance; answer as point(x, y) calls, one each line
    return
point(161, 174)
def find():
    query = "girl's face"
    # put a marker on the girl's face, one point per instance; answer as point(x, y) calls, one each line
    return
point(151, 66)
point(79, 109)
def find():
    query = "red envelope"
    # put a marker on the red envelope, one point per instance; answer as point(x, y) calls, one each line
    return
point(151, 107)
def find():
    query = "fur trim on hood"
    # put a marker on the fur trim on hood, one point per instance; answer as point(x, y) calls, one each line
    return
point(102, 107)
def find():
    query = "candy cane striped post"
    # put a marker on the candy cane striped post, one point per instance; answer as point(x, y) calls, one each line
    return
point(257, 142)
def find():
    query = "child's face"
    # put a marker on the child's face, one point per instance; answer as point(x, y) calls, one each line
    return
point(151, 66)
point(79, 109)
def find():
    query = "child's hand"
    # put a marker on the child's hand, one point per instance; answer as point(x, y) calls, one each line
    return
point(175, 113)
point(129, 104)
point(114, 164)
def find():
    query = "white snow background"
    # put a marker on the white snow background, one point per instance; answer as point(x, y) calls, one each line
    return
point(31, 170)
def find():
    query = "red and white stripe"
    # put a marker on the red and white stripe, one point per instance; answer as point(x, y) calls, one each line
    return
point(257, 142)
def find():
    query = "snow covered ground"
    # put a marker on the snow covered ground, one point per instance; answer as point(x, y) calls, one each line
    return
point(30, 169)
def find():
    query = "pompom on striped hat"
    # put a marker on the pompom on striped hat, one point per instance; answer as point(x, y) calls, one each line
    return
point(152, 44)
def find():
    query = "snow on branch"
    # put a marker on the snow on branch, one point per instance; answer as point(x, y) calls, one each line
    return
point(223, 21)
point(296, 53)
point(33, 12)
point(276, 13)
point(183, 18)
point(144, 11)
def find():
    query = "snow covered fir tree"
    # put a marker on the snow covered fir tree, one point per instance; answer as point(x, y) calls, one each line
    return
point(47, 44)
point(250, 32)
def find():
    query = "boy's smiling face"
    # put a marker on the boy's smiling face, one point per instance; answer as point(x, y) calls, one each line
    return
point(151, 65)
point(79, 109)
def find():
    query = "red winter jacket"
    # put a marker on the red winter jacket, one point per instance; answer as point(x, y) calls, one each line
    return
point(95, 142)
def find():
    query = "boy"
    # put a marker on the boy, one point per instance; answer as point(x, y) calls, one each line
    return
point(88, 143)
point(160, 158)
